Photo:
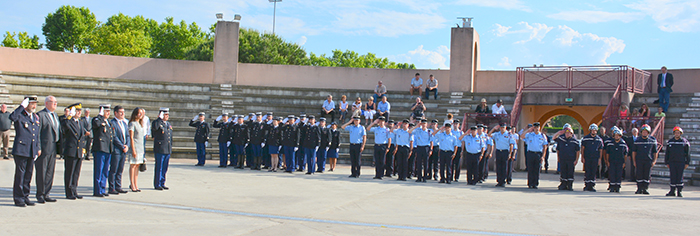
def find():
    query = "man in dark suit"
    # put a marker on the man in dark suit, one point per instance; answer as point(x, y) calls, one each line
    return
point(86, 124)
point(61, 119)
point(102, 148)
point(74, 134)
point(46, 163)
point(122, 145)
point(162, 133)
point(665, 82)
point(26, 148)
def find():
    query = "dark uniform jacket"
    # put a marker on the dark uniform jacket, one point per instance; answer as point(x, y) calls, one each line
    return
point(325, 137)
point(567, 148)
point(617, 151)
point(201, 135)
point(677, 151)
point(645, 148)
point(74, 133)
point(628, 140)
point(593, 146)
point(223, 131)
point(103, 134)
point(162, 133)
point(290, 136)
point(256, 132)
point(310, 136)
point(335, 138)
point(239, 134)
point(274, 135)
point(27, 134)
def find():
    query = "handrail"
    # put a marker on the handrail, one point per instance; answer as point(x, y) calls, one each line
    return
point(658, 133)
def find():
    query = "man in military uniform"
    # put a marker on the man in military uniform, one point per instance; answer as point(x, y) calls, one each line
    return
point(325, 141)
point(201, 137)
point(568, 151)
point(592, 146)
point(267, 127)
point(381, 145)
point(102, 148)
point(239, 138)
point(73, 153)
point(474, 147)
point(249, 148)
point(290, 140)
point(677, 159)
point(644, 155)
point(358, 138)
point(256, 130)
point(424, 145)
point(536, 147)
point(45, 165)
point(25, 149)
point(503, 143)
point(616, 150)
point(221, 122)
point(299, 153)
point(162, 133)
point(404, 145)
point(310, 137)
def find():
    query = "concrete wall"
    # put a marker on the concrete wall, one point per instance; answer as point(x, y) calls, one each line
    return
point(226, 52)
point(491, 81)
point(333, 77)
point(92, 65)
point(464, 58)
point(684, 80)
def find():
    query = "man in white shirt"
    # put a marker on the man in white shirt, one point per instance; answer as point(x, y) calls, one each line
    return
point(498, 108)
point(416, 85)
point(328, 108)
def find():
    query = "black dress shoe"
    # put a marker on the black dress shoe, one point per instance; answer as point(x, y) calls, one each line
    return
point(121, 191)
point(29, 203)
point(112, 192)
point(222, 166)
point(448, 182)
point(20, 204)
point(351, 176)
point(48, 199)
point(166, 188)
point(159, 188)
point(199, 165)
point(79, 196)
point(442, 181)
point(377, 178)
point(71, 198)
point(40, 200)
point(308, 173)
point(6, 158)
point(98, 195)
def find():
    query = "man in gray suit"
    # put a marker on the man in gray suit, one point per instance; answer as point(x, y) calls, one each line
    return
point(50, 134)
point(86, 123)
point(121, 142)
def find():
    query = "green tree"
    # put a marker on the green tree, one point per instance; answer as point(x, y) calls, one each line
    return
point(122, 36)
point(69, 28)
point(255, 47)
point(27, 42)
point(9, 40)
point(353, 59)
point(173, 41)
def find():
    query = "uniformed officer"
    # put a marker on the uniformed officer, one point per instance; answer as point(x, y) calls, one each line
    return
point(358, 138)
point(333, 148)
point(513, 155)
point(26, 148)
point(644, 155)
point(290, 142)
point(474, 147)
point(249, 148)
point(536, 146)
point(503, 143)
point(201, 137)
point(324, 142)
point(592, 146)
point(221, 122)
point(677, 159)
point(310, 135)
point(423, 144)
point(382, 140)
point(456, 162)
point(568, 151)
point(273, 141)
point(257, 135)
point(412, 155)
point(616, 151)
point(434, 156)
point(162, 133)
point(102, 148)
point(267, 126)
point(404, 145)
point(299, 153)
point(389, 163)
point(448, 145)
point(239, 138)
point(74, 134)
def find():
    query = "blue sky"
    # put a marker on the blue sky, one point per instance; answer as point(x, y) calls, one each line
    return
point(641, 33)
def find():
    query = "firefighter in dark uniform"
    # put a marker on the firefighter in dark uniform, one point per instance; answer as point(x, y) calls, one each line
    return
point(616, 151)
point(325, 141)
point(290, 142)
point(592, 146)
point(162, 133)
point(222, 123)
point(568, 150)
point(201, 137)
point(239, 137)
point(25, 149)
point(644, 155)
point(75, 135)
point(257, 135)
point(677, 159)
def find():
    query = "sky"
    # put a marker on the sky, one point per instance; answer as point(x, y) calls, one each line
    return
point(646, 34)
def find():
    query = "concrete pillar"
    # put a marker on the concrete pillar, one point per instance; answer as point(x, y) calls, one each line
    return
point(464, 59)
point(226, 52)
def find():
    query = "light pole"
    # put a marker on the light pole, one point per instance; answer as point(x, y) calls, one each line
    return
point(274, 13)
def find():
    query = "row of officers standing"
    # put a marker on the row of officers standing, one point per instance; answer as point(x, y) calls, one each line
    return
point(39, 136)
point(426, 151)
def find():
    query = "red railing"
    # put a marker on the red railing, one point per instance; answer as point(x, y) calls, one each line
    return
point(491, 120)
point(658, 133)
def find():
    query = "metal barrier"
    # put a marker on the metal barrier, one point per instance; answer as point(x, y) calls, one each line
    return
point(491, 120)
point(626, 123)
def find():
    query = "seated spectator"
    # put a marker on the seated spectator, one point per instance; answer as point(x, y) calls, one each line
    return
point(343, 108)
point(369, 111)
point(623, 117)
point(660, 113)
point(416, 85)
point(498, 108)
point(482, 107)
point(357, 107)
point(418, 109)
point(644, 110)
point(379, 91)
point(328, 108)
point(431, 86)
point(450, 119)
point(383, 108)
point(636, 118)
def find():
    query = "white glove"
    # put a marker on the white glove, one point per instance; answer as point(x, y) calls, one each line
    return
point(72, 111)
point(25, 102)
point(206, 144)
point(102, 111)
point(228, 144)
point(218, 118)
point(263, 144)
point(195, 118)
point(160, 114)
point(296, 149)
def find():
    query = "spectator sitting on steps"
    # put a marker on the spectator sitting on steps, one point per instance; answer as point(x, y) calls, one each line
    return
point(328, 108)
point(379, 91)
point(431, 86)
point(357, 108)
point(370, 110)
point(383, 108)
point(416, 85)
point(482, 107)
point(343, 108)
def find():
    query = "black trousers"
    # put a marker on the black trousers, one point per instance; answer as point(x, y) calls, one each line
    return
point(591, 166)
point(422, 161)
point(88, 145)
point(24, 167)
point(412, 163)
point(355, 159)
point(379, 156)
point(456, 164)
point(643, 174)
point(402, 161)
point(446, 165)
point(71, 175)
point(389, 163)
point(567, 170)
point(45, 167)
point(472, 162)
point(501, 165)
point(433, 162)
point(509, 168)
point(676, 169)
point(331, 114)
point(483, 168)
point(615, 173)
point(534, 164)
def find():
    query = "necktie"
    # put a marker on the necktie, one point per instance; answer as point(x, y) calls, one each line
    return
point(54, 121)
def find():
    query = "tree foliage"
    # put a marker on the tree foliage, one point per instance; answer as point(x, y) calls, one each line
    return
point(264, 48)
point(24, 41)
point(69, 28)
point(122, 36)
point(9, 40)
point(353, 59)
point(173, 41)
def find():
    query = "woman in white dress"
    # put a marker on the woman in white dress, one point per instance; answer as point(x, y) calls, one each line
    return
point(136, 132)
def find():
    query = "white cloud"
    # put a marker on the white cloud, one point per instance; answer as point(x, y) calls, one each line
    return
point(505, 62)
point(504, 4)
point(671, 15)
point(501, 30)
point(387, 23)
point(600, 48)
point(567, 36)
point(597, 16)
point(423, 58)
point(302, 41)
point(535, 31)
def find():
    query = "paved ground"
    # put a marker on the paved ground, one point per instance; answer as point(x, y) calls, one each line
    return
point(212, 201)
